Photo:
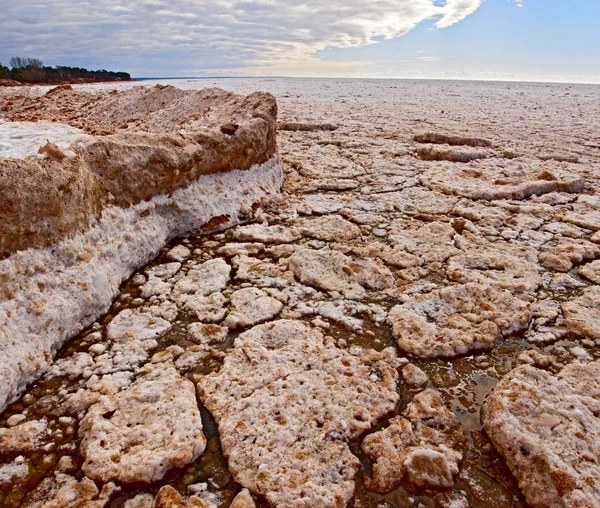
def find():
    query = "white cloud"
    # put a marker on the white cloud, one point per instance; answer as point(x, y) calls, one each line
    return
point(220, 34)
point(457, 10)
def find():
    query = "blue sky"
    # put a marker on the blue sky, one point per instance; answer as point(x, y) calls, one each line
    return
point(543, 40)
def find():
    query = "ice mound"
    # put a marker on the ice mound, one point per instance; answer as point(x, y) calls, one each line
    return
point(22, 139)
point(157, 163)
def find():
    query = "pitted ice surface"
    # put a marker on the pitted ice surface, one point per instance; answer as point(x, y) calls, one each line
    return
point(286, 403)
point(547, 430)
point(423, 446)
point(457, 319)
point(507, 181)
point(333, 271)
point(139, 434)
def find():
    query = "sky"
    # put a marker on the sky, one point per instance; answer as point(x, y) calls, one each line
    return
point(529, 40)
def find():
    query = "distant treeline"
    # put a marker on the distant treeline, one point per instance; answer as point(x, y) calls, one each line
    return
point(32, 70)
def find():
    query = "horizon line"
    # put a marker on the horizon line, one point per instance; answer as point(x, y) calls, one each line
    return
point(488, 80)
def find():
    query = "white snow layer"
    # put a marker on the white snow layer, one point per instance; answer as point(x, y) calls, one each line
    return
point(64, 288)
point(22, 139)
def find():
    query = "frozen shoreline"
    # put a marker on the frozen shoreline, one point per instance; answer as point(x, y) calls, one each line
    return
point(442, 237)
point(76, 291)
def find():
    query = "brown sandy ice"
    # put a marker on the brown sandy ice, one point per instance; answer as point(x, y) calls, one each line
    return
point(251, 306)
point(457, 319)
point(582, 314)
point(423, 446)
point(142, 432)
point(503, 182)
point(154, 141)
point(546, 428)
point(77, 494)
point(333, 271)
point(286, 403)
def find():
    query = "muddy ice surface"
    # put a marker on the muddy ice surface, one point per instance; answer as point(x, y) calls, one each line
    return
point(338, 349)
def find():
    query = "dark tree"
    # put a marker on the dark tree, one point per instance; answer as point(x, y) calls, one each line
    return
point(32, 70)
point(18, 62)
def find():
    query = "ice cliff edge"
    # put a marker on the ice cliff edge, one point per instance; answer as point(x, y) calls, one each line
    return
point(75, 222)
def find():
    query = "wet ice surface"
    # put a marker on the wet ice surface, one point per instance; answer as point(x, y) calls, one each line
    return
point(364, 225)
point(22, 139)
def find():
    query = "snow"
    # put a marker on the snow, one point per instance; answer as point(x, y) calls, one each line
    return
point(22, 139)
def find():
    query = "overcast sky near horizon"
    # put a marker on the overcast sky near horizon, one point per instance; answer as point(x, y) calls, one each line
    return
point(540, 40)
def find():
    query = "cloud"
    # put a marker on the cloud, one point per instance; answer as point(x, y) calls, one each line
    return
point(173, 35)
point(457, 10)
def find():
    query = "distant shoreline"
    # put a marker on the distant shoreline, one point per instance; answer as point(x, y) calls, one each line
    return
point(14, 83)
point(31, 71)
